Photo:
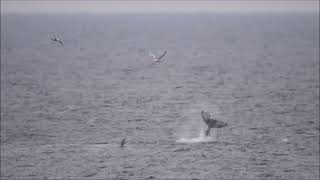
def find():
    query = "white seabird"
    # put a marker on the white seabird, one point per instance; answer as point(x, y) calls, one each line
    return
point(155, 58)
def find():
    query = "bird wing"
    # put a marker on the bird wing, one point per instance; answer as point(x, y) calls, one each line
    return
point(152, 55)
point(162, 55)
point(61, 43)
point(205, 116)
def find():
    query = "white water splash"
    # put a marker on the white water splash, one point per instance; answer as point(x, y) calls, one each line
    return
point(201, 138)
point(192, 130)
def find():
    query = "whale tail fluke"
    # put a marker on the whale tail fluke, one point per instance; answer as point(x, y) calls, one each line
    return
point(211, 122)
point(206, 117)
point(208, 131)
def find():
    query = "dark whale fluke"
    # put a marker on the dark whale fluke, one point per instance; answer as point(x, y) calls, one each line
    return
point(211, 122)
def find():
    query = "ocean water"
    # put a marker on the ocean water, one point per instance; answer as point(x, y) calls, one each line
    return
point(64, 110)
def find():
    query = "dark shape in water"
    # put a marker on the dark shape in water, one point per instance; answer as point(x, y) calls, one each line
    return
point(122, 142)
point(211, 122)
point(182, 149)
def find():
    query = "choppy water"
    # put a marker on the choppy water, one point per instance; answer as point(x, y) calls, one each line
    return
point(65, 110)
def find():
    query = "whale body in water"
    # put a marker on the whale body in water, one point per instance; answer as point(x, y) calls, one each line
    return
point(211, 122)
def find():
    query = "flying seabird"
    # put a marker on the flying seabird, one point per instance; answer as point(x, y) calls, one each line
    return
point(157, 59)
point(211, 122)
point(57, 40)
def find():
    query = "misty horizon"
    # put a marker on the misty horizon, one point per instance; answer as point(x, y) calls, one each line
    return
point(155, 7)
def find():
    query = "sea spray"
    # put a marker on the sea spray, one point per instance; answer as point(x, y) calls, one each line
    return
point(192, 128)
point(201, 138)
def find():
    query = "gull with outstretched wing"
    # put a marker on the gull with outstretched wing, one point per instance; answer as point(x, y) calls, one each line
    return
point(155, 58)
point(56, 39)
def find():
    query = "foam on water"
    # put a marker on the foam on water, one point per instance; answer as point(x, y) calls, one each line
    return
point(201, 138)
point(192, 130)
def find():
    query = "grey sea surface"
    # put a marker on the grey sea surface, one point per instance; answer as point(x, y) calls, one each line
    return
point(65, 110)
